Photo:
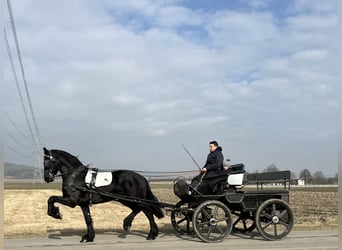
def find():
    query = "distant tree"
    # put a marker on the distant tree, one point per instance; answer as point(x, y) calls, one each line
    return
point(293, 175)
point(319, 178)
point(271, 168)
point(305, 175)
point(333, 180)
point(253, 172)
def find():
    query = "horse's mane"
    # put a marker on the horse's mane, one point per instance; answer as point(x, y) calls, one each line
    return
point(73, 160)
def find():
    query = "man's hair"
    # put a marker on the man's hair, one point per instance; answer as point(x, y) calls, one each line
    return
point(214, 143)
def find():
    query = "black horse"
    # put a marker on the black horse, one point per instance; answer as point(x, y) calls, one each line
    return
point(124, 182)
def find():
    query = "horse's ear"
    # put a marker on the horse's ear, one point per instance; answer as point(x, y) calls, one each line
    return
point(46, 152)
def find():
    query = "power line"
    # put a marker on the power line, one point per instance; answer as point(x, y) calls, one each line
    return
point(23, 73)
point(35, 139)
point(17, 152)
point(18, 88)
point(17, 141)
point(15, 125)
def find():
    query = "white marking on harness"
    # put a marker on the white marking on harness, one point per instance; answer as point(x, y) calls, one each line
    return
point(102, 178)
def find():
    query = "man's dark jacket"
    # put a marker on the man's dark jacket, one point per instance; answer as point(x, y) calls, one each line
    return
point(214, 174)
point(214, 160)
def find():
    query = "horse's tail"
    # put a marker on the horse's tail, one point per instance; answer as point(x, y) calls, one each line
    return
point(156, 210)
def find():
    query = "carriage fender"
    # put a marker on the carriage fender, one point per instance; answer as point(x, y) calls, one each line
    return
point(234, 198)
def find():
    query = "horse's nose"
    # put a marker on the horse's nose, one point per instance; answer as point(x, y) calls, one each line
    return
point(48, 177)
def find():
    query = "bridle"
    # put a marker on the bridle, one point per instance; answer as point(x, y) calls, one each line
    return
point(52, 175)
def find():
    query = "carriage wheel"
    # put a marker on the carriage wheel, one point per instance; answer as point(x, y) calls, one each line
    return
point(244, 223)
point(274, 219)
point(181, 218)
point(212, 221)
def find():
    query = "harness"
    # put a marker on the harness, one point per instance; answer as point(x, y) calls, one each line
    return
point(95, 178)
point(92, 173)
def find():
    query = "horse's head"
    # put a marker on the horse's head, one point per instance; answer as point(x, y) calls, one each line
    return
point(58, 160)
point(51, 166)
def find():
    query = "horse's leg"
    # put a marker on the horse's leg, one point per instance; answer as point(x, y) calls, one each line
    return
point(89, 237)
point(153, 226)
point(127, 223)
point(54, 211)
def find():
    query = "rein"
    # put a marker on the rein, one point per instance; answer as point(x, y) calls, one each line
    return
point(71, 172)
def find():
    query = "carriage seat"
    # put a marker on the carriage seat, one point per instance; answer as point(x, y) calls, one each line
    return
point(236, 176)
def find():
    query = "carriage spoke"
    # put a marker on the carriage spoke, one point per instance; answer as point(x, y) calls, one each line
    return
point(219, 229)
point(181, 220)
point(282, 213)
point(209, 231)
point(215, 211)
point(268, 216)
point(282, 217)
point(283, 223)
point(267, 224)
point(275, 230)
point(205, 212)
point(223, 219)
point(203, 223)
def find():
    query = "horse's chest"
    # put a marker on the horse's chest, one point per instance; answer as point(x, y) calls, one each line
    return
point(98, 179)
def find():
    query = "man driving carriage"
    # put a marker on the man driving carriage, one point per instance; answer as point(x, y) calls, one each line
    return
point(212, 172)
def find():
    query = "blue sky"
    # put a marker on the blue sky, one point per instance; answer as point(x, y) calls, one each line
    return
point(123, 84)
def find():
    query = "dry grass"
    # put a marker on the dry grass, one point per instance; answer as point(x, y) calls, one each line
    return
point(26, 213)
point(314, 210)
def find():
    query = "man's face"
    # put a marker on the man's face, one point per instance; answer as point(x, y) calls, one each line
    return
point(212, 147)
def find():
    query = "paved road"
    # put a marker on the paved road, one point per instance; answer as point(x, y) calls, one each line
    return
point(326, 239)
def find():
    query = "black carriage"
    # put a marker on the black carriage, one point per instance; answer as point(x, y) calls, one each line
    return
point(230, 206)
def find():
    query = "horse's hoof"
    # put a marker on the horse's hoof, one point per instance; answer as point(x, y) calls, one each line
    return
point(58, 216)
point(151, 237)
point(127, 224)
point(54, 212)
point(86, 239)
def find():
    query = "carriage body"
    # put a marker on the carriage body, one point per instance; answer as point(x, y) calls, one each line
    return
point(246, 202)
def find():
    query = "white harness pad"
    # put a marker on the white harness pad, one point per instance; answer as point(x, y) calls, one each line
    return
point(101, 178)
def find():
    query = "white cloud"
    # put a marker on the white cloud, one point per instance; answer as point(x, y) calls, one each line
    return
point(314, 6)
point(199, 123)
point(65, 90)
point(173, 16)
point(231, 28)
point(159, 71)
point(124, 99)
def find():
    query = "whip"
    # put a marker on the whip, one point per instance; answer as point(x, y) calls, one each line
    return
point(191, 157)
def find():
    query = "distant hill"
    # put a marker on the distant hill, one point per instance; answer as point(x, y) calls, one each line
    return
point(16, 171)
